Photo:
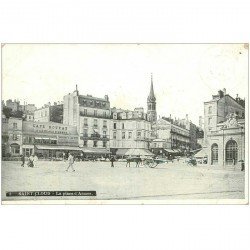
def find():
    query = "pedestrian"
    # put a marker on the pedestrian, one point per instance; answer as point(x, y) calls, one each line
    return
point(63, 156)
point(128, 161)
point(242, 166)
point(81, 156)
point(71, 162)
point(112, 159)
point(30, 161)
point(23, 160)
point(35, 159)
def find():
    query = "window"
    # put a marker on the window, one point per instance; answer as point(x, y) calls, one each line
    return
point(95, 144)
point(85, 112)
point(209, 120)
point(85, 143)
point(138, 134)
point(123, 126)
point(104, 114)
point(231, 152)
point(114, 135)
point(95, 123)
point(105, 124)
point(104, 144)
point(114, 125)
point(95, 112)
point(14, 137)
point(214, 154)
point(85, 132)
point(85, 122)
point(210, 109)
point(123, 135)
point(104, 134)
point(14, 125)
point(129, 135)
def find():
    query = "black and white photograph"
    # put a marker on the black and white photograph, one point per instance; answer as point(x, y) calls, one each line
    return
point(124, 123)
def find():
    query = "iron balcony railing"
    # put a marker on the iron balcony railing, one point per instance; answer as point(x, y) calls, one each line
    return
point(94, 137)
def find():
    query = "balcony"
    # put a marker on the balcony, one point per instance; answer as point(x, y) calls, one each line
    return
point(97, 137)
point(143, 139)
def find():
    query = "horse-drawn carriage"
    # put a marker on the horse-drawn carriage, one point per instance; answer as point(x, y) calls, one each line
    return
point(146, 161)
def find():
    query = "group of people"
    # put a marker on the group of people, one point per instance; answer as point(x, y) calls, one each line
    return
point(32, 159)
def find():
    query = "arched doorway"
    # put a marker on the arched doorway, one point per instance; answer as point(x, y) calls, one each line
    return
point(214, 154)
point(231, 152)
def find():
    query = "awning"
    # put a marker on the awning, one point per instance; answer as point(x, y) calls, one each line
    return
point(138, 151)
point(57, 147)
point(95, 151)
point(121, 151)
point(169, 150)
point(28, 146)
point(201, 154)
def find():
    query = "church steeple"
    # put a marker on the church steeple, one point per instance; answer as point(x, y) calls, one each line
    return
point(151, 101)
point(151, 96)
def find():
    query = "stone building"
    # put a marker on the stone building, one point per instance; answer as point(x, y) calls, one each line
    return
point(172, 134)
point(224, 129)
point(129, 129)
point(46, 139)
point(91, 116)
point(49, 113)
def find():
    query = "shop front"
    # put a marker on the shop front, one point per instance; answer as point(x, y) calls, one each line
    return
point(52, 141)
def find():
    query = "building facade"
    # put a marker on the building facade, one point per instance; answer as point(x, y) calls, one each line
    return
point(49, 113)
point(172, 135)
point(46, 139)
point(129, 129)
point(91, 116)
point(224, 130)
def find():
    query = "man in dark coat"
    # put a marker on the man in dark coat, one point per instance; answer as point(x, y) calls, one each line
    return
point(112, 159)
point(23, 160)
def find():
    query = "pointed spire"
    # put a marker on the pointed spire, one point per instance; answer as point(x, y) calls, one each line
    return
point(151, 96)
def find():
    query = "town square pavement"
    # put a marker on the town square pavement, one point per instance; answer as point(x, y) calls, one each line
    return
point(167, 181)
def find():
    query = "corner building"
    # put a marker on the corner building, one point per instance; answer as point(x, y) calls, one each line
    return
point(91, 116)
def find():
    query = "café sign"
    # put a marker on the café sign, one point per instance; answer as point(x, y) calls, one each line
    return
point(49, 128)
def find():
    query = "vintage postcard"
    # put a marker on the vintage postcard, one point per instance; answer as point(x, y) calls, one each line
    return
point(124, 123)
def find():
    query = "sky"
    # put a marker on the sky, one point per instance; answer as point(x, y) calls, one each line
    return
point(184, 75)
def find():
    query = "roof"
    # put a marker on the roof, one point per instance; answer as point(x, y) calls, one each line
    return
point(121, 151)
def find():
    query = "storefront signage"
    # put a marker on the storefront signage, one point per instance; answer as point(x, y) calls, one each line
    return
point(48, 128)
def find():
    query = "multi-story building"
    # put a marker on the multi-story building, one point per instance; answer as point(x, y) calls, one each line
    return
point(224, 129)
point(46, 139)
point(172, 135)
point(91, 116)
point(129, 129)
point(49, 113)
point(13, 105)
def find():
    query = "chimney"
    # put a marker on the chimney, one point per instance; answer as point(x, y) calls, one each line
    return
point(224, 91)
point(187, 117)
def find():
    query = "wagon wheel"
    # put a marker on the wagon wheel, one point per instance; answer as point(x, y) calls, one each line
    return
point(152, 165)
